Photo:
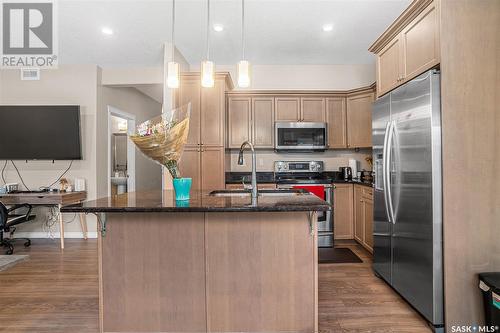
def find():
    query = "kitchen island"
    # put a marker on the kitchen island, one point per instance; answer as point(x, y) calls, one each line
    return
point(218, 263)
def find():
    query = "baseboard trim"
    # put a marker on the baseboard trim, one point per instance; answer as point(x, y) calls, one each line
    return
point(41, 234)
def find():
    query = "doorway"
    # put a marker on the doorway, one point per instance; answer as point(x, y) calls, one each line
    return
point(121, 152)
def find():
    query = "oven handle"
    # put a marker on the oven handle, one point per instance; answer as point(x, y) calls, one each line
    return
point(290, 186)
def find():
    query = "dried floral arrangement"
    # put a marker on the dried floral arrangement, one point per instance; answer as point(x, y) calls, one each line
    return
point(162, 138)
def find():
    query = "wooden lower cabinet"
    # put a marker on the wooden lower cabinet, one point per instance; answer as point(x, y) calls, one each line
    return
point(205, 165)
point(363, 216)
point(368, 214)
point(208, 272)
point(343, 211)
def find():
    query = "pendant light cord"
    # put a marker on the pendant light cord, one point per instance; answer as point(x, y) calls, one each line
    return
point(243, 29)
point(173, 30)
point(208, 29)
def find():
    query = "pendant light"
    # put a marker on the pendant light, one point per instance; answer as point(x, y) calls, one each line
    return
point(207, 66)
point(243, 65)
point(172, 66)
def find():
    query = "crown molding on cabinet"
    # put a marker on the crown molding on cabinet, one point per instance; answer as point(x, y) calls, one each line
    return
point(218, 75)
point(413, 10)
point(311, 92)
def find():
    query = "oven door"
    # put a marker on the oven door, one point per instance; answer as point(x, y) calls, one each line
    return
point(301, 136)
point(325, 219)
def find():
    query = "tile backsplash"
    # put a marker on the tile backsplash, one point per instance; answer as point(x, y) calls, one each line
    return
point(333, 159)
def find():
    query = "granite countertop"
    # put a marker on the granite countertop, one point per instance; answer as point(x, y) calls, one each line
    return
point(164, 201)
point(353, 181)
point(268, 178)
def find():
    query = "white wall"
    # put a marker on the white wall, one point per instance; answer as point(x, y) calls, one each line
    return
point(328, 77)
point(67, 85)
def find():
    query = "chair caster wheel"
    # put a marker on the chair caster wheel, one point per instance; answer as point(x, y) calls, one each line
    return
point(9, 251)
point(27, 243)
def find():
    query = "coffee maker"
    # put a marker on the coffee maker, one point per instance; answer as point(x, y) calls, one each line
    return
point(346, 173)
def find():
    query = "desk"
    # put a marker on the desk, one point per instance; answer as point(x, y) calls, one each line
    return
point(58, 199)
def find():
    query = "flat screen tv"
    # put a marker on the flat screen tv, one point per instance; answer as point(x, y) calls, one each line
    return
point(40, 132)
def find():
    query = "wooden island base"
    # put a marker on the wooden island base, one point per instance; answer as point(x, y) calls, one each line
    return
point(208, 272)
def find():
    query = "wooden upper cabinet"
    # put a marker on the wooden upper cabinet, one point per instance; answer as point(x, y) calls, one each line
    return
point(212, 168)
point(190, 166)
point(359, 120)
point(409, 47)
point(189, 92)
point(239, 120)
point(336, 118)
point(212, 114)
point(312, 109)
point(389, 67)
point(263, 122)
point(287, 109)
point(343, 211)
point(421, 43)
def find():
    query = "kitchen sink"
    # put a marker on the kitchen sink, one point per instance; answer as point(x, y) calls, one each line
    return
point(262, 193)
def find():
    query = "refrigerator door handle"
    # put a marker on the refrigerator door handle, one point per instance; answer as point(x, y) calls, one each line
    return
point(387, 170)
point(384, 167)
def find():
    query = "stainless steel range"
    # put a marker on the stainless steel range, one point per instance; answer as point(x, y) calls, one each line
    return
point(309, 175)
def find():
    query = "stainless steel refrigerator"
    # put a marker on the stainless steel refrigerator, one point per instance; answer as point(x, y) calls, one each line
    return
point(407, 217)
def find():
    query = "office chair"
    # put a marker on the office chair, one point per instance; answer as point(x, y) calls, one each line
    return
point(7, 223)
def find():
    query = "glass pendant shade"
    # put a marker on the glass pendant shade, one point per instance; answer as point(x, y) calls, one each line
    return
point(244, 74)
point(207, 74)
point(173, 74)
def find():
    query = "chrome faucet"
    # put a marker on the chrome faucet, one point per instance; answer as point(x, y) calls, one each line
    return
point(254, 166)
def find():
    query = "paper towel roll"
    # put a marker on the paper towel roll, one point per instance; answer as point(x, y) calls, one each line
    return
point(354, 167)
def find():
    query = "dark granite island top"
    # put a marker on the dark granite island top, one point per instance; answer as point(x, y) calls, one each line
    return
point(164, 201)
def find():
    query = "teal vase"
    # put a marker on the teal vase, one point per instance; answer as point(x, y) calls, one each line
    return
point(182, 187)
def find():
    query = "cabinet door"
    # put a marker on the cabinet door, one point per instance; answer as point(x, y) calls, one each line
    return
point(212, 168)
point(287, 108)
point(359, 120)
point(359, 221)
point(263, 122)
point(212, 114)
point(312, 109)
point(368, 225)
point(239, 120)
point(420, 41)
point(189, 91)
point(343, 211)
point(190, 166)
point(389, 68)
point(337, 122)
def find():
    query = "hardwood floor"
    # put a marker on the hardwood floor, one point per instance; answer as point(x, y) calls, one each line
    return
point(352, 299)
point(56, 291)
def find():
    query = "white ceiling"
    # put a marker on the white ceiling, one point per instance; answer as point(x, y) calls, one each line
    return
point(278, 31)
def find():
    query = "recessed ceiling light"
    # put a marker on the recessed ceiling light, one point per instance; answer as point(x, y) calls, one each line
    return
point(327, 27)
point(218, 27)
point(107, 31)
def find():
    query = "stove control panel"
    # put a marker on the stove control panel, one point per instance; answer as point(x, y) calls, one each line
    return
point(298, 166)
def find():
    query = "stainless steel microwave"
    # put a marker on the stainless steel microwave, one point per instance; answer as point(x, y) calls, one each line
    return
point(303, 136)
